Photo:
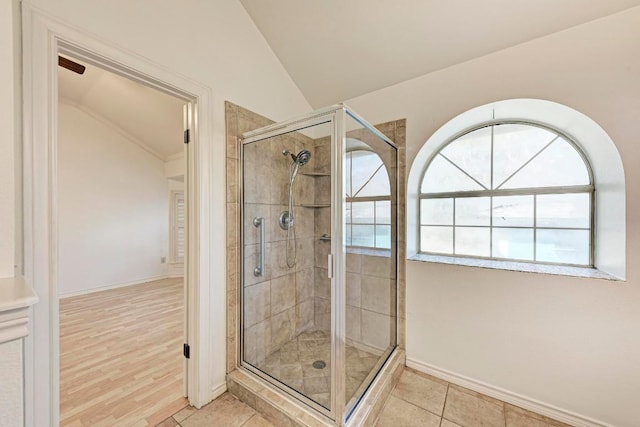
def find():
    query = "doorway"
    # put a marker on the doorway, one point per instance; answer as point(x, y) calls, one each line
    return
point(44, 38)
point(121, 248)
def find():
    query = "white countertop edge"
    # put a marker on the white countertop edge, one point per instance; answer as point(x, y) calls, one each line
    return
point(16, 293)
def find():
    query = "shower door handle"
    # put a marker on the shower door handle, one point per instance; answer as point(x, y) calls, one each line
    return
point(259, 270)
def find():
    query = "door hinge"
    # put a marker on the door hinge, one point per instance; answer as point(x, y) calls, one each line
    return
point(187, 136)
point(186, 350)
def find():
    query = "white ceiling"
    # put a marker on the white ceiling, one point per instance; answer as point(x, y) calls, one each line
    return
point(336, 49)
point(149, 117)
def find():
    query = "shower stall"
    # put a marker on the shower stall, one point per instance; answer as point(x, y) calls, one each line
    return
point(318, 293)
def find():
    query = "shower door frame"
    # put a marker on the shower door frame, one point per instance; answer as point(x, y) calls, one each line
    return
point(336, 116)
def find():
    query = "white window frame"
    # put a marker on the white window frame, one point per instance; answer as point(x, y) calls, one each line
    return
point(606, 164)
point(534, 191)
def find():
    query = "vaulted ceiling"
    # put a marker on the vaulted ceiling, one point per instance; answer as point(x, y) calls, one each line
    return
point(147, 116)
point(338, 49)
point(335, 50)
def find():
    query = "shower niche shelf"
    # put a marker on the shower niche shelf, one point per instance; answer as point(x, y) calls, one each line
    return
point(316, 205)
point(315, 173)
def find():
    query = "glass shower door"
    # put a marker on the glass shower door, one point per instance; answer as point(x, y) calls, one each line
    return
point(369, 244)
point(286, 227)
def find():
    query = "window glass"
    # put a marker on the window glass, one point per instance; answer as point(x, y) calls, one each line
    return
point(513, 243)
point(558, 165)
point(383, 236)
point(362, 212)
point(473, 241)
point(472, 154)
point(363, 235)
point(437, 239)
point(368, 175)
point(473, 211)
point(513, 211)
point(563, 210)
point(443, 177)
point(383, 212)
point(513, 146)
point(513, 191)
point(368, 212)
point(436, 212)
point(563, 246)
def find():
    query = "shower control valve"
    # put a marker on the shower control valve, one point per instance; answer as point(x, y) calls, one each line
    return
point(285, 220)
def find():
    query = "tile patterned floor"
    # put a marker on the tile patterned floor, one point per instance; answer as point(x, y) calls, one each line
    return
point(418, 400)
point(293, 365)
point(422, 400)
point(225, 411)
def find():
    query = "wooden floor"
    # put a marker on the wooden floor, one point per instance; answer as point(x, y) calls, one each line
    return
point(121, 355)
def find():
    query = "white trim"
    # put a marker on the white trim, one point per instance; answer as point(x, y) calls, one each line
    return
point(113, 126)
point(218, 390)
point(43, 38)
point(507, 396)
point(16, 299)
point(114, 286)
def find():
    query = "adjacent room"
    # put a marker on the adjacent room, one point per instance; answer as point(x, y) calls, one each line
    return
point(121, 216)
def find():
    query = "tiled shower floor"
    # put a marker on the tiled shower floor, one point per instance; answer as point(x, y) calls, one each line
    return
point(292, 364)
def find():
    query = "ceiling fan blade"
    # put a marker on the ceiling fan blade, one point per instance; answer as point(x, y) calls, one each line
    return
point(71, 65)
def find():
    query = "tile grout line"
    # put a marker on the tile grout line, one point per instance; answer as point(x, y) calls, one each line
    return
point(504, 412)
point(446, 395)
point(249, 419)
point(413, 404)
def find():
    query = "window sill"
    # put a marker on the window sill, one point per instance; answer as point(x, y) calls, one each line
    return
point(558, 270)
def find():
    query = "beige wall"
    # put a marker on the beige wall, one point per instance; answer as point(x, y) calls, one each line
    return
point(132, 203)
point(568, 342)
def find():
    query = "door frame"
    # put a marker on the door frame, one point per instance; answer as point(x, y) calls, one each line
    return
point(43, 38)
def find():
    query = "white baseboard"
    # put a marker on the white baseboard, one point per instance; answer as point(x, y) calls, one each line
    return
point(507, 396)
point(113, 286)
point(175, 269)
point(218, 390)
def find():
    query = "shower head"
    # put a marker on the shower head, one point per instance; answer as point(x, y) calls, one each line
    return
point(301, 158)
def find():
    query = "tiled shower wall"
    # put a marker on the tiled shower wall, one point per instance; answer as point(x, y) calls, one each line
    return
point(286, 302)
point(371, 276)
point(322, 283)
point(278, 303)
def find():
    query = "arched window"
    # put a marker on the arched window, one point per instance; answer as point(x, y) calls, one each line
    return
point(368, 216)
point(511, 191)
point(520, 184)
